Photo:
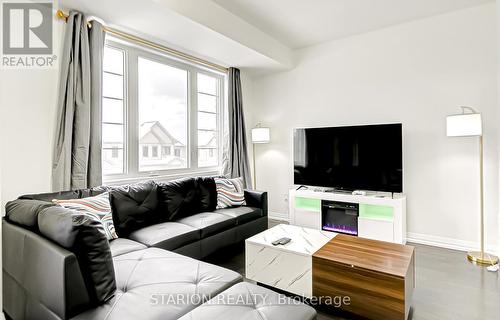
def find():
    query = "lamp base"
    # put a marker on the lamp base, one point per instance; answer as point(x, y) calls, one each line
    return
point(482, 258)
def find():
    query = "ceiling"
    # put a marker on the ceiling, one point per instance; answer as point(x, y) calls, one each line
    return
point(301, 23)
point(197, 27)
point(256, 35)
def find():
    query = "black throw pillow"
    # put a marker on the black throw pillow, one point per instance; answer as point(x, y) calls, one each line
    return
point(83, 237)
point(207, 193)
point(179, 198)
point(134, 207)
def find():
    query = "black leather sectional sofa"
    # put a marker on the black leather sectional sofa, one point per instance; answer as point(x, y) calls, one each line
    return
point(163, 229)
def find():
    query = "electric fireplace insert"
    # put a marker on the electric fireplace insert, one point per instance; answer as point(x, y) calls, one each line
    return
point(341, 217)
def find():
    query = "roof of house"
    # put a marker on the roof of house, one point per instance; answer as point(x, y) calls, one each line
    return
point(164, 137)
point(207, 141)
point(159, 131)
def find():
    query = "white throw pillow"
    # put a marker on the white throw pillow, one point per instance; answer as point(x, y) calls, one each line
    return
point(96, 208)
point(230, 192)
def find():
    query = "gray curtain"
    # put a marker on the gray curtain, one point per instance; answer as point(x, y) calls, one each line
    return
point(77, 149)
point(235, 162)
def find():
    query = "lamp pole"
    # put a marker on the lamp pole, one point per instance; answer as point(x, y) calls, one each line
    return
point(482, 257)
point(469, 124)
point(253, 164)
point(481, 190)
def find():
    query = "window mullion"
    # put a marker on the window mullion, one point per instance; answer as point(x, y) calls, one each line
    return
point(133, 115)
point(221, 110)
point(193, 118)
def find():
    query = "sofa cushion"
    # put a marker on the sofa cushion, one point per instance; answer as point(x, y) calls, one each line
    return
point(122, 245)
point(209, 222)
point(149, 279)
point(72, 194)
point(241, 214)
point(134, 207)
point(246, 301)
point(166, 235)
point(25, 212)
point(82, 236)
point(48, 197)
point(179, 198)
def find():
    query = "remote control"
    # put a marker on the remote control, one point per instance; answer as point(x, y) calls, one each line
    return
point(281, 241)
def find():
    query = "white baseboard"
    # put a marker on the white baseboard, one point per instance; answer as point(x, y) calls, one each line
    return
point(278, 216)
point(444, 242)
point(419, 238)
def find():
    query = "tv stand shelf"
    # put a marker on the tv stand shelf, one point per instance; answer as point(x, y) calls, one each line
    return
point(380, 217)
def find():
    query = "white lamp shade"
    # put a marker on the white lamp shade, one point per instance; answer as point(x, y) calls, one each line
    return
point(261, 135)
point(463, 125)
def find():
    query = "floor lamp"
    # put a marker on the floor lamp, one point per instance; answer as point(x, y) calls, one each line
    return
point(469, 124)
point(259, 135)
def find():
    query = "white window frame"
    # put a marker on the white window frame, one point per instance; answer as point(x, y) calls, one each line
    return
point(131, 152)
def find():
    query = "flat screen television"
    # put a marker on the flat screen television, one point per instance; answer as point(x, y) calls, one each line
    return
point(350, 158)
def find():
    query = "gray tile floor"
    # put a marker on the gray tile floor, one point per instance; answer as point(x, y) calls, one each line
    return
point(448, 286)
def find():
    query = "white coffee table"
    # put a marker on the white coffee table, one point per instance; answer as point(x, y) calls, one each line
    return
point(286, 267)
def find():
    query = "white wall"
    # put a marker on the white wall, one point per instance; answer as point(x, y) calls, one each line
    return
point(28, 100)
point(415, 73)
point(498, 106)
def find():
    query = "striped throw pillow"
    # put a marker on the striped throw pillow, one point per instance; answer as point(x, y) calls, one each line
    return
point(230, 192)
point(96, 208)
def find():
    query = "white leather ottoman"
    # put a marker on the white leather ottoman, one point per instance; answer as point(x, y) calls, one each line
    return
point(246, 301)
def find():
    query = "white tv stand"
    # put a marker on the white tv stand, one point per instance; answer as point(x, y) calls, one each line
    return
point(381, 217)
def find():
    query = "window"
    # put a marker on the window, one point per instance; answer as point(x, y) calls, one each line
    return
point(165, 151)
point(113, 125)
point(208, 95)
point(163, 112)
point(160, 116)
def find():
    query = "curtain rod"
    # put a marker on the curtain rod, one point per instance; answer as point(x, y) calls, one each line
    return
point(127, 36)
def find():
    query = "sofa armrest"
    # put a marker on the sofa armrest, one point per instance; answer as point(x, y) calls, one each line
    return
point(41, 279)
point(257, 199)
